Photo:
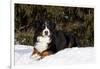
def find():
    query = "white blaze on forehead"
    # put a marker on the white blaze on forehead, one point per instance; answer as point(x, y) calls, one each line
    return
point(45, 23)
point(42, 43)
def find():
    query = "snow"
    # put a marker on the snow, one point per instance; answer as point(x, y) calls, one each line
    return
point(75, 55)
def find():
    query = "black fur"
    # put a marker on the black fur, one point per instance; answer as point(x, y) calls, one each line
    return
point(59, 39)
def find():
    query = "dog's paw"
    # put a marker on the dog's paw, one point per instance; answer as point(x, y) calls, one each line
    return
point(35, 57)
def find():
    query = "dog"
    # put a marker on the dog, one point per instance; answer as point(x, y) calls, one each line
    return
point(47, 40)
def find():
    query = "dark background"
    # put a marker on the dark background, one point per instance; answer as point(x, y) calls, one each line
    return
point(78, 20)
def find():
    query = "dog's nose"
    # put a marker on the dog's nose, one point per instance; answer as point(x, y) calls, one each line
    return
point(46, 32)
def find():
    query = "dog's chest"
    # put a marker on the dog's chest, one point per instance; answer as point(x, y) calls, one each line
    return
point(42, 43)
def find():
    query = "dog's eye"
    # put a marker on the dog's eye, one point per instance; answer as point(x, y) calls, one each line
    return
point(43, 25)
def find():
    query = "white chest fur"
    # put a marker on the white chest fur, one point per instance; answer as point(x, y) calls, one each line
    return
point(42, 43)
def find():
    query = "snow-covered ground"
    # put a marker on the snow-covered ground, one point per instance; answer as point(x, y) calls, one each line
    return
point(63, 57)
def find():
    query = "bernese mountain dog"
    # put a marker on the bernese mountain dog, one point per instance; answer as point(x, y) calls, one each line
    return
point(47, 40)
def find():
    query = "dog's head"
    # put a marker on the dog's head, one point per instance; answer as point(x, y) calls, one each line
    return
point(44, 28)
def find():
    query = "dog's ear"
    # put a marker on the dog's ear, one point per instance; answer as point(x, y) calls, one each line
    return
point(53, 25)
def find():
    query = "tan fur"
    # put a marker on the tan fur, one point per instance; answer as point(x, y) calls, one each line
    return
point(42, 55)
